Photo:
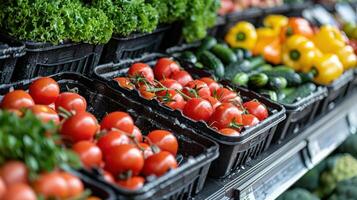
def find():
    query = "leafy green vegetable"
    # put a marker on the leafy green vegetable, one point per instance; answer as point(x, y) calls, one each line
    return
point(170, 10)
point(346, 189)
point(55, 21)
point(28, 139)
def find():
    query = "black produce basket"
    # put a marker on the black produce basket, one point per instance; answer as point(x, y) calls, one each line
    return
point(282, 9)
point(353, 84)
point(337, 92)
point(10, 51)
point(44, 59)
point(133, 46)
point(234, 152)
point(195, 153)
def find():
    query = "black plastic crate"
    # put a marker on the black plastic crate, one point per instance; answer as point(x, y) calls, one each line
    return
point(235, 152)
point(195, 153)
point(337, 92)
point(282, 9)
point(45, 59)
point(353, 84)
point(10, 51)
point(133, 46)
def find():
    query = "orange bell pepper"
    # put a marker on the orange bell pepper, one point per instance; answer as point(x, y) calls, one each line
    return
point(261, 44)
point(296, 26)
point(272, 52)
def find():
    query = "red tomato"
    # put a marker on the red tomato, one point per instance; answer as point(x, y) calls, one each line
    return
point(165, 67)
point(182, 77)
point(225, 95)
point(146, 149)
point(198, 109)
point(81, 126)
point(171, 84)
point(2, 188)
point(19, 191)
point(71, 102)
point(141, 70)
point(165, 140)
point(118, 120)
point(75, 185)
point(257, 109)
point(111, 139)
point(225, 115)
point(51, 185)
point(144, 92)
point(249, 120)
point(124, 82)
point(45, 113)
point(172, 99)
point(197, 87)
point(17, 99)
point(214, 102)
point(123, 158)
point(159, 163)
point(108, 177)
point(44, 90)
point(89, 153)
point(212, 84)
point(137, 134)
point(13, 172)
point(132, 183)
point(229, 132)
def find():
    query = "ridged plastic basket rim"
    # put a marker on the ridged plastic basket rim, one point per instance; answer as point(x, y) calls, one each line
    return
point(16, 48)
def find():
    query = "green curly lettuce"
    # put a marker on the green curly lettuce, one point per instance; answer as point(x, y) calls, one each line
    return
point(170, 10)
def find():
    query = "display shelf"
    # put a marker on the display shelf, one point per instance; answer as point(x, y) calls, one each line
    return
point(280, 167)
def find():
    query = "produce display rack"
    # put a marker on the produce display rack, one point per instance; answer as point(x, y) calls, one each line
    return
point(282, 165)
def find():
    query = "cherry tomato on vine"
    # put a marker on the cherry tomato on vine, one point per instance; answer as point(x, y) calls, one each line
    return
point(249, 120)
point(81, 126)
point(141, 70)
point(89, 153)
point(226, 95)
point(71, 102)
point(197, 87)
point(198, 109)
point(145, 93)
point(183, 77)
point(132, 183)
point(111, 139)
point(171, 84)
point(229, 132)
point(13, 172)
point(17, 99)
point(165, 67)
point(165, 140)
point(212, 84)
point(2, 188)
point(214, 102)
point(159, 163)
point(257, 109)
point(124, 158)
point(75, 185)
point(51, 185)
point(124, 82)
point(137, 134)
point(225, 116)
point(146, 149)
point(19, 191)
point(172, 99)
point(45, 113)
point(118, 120)
point(44, 90)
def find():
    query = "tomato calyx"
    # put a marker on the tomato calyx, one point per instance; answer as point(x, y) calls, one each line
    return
point(65, 114)
point(155, 149)
point(235, 125)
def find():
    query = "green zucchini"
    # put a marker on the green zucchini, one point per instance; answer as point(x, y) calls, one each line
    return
point(283, 68)
point(258, 80)
point(188, 56)
point(239, 53)
point(299, 93)
point(269, 94)
point(226, 55)
point(277, 83)
point(207, 43)
point(306, 77)
point(256, 62)
point(241, 79)
point(210, 61)
point(292, 78)
point(263, 67)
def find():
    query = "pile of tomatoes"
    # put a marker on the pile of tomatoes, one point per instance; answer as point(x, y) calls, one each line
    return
point(201, 99)
point(116, 145)
point(15, 184)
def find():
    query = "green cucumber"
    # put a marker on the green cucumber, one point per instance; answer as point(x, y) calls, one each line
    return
point(256, 62)
point(199, 65)
point(239, 53)
point(188, 56)
point(258, 80)
point(292, 78)
point(283, 68)
point(277, 83)
point(241, 79)
point(234, 68)
point(210, 61)
point(207, 43)
point(263, 67)
point(306, 77)
point(299, 93)
point(226, 55)
point(269, 94)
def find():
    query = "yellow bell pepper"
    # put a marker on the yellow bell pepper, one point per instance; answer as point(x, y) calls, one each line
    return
point(298, 53)
point(242, 35)
point(275, 22)
point(264, 32)
point(329, 39)
point(327, 68)
point(347, 57)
